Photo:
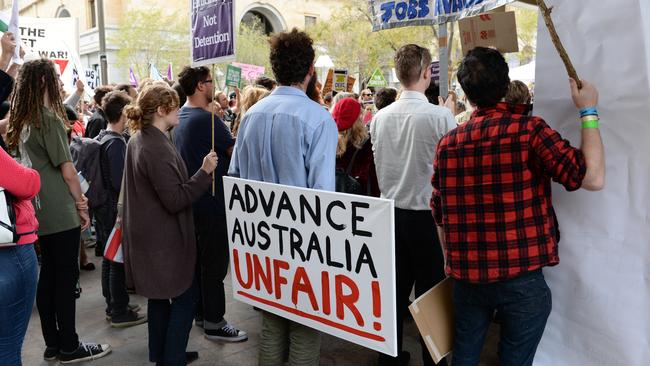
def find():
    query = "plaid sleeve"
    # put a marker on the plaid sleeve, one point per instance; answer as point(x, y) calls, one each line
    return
point(436, 197)
point(562, 162)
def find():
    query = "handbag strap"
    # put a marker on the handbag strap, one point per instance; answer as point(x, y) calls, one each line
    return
point(351, 163)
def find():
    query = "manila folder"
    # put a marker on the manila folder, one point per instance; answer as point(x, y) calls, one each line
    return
point(434, 315)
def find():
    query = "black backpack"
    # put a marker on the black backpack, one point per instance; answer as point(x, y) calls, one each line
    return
point(86, 156)
point(346, 183)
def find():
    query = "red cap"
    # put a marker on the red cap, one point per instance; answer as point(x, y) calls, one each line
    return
point(346, 112)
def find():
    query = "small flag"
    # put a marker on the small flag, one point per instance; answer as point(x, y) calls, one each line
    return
point(14, 28)
point(132, 78)
point(153, 73)
point(170, 73)
point(113, 251)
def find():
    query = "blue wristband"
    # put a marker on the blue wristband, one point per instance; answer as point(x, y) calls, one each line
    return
point(591, 111)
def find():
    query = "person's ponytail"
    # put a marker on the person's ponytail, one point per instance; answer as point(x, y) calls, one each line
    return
point(134, 115)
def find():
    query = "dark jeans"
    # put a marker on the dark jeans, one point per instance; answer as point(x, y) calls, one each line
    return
point(419, 262)
point(523, 304)
point(114, 288)
point(105, 217)
point(113, 278)
point(18, 275)
point(57, 284)
point(212, 268)
point(170, 322)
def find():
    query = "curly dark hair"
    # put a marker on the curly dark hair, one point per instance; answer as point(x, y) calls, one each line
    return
point(292, 55)
point(483, 74)
point(190, 77)
point(385, 97)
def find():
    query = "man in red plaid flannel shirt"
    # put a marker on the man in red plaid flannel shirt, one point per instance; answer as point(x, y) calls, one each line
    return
point(492, 202)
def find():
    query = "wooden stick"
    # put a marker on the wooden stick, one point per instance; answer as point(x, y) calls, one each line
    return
point(212, 134)
point(546, 13)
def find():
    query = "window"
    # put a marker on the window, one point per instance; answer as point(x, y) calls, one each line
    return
point(310, 21)
point(62, 12)
point(92, 14)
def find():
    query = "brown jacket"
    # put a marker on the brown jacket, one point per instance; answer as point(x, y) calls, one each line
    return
point(158, 227)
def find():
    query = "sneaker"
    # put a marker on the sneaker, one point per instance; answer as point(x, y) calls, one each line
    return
point(51, 353)
point(85, 352)
point(227, 333)
point(129, 319)
point(132, 307)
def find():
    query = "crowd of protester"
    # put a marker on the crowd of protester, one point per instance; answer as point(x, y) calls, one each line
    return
point(471, 183)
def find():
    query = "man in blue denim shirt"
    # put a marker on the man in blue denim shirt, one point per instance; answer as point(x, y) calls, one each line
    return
point(288, 139)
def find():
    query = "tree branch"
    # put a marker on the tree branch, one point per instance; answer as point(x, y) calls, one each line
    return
point(390, 43)
point(546, 13)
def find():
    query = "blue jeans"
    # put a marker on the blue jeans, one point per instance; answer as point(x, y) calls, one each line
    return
point(18, 276)
point(170, 322)
point(523, 304)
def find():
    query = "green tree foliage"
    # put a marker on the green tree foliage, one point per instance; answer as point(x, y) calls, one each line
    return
point(527, 33)
point(348, 39)
point(252, 45)
point(150, 36)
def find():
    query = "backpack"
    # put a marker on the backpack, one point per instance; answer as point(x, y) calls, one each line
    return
point(346, 183)
point(8, 233)
point(86, 156)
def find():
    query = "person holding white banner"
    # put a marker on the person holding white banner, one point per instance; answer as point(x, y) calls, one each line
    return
point(492, 201)
point(404, 137)
point(288, 139)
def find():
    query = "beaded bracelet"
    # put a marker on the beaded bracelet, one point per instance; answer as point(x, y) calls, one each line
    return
point(591, 111)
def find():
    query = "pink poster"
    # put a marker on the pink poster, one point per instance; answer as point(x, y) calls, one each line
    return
point(249, 72)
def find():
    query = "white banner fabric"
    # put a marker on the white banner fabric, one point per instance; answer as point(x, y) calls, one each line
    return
point(601, 289)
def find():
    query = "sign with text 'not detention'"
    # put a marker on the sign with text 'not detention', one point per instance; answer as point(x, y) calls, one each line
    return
point(322, 259)
point(387, 14)
point(212, 31)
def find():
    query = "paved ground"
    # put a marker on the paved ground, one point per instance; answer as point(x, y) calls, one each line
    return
point(130, 344)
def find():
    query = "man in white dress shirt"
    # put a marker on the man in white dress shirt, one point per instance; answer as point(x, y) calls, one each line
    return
point(404, 137)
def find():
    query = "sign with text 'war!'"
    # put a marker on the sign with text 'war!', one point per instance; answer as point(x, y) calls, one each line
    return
point(387, 14)
point(322, 259)
point(212, 31)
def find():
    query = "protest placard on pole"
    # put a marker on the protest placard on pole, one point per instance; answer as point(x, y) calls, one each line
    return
point(340, 80)
point(58, 40)
point(322, 259)
point(377, 80)
point(388, 14)
point(212, 31)
point(250, 72)
point(498, 30)
point(329, 82)
point(233, 76)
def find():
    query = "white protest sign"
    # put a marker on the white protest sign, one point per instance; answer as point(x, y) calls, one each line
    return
point(56, 39)
point(601, 289)
point(387, 14)
point(322, 259)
